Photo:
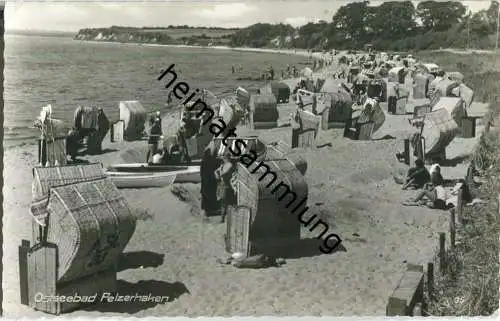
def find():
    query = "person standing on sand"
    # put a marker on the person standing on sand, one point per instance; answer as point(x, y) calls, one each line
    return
point(154, 136)
point(225, 192)
point(169, 98)
point(209, 164)
point(72, 144)
point(271, 72)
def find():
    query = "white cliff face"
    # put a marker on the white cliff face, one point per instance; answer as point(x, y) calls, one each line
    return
point(99, 36)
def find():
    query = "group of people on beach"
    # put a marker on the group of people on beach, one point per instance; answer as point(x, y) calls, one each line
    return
point(268, 73)
point(94, 135)
point(216, 172)
point(173, 150)
point(431, 184)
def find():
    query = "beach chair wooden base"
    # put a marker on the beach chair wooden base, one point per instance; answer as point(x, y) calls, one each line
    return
point(264, 125)
point(468, 129)
point(420, 111)
point(237, 237)
point(337, 120)
point(391, 104)
point(359, 131)
point(39, 272)
point(52, 151)
point(303, 138)
point(401, 106)
point(117, 129)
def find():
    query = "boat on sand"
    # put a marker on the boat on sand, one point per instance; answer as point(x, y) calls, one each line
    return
point(141, 175)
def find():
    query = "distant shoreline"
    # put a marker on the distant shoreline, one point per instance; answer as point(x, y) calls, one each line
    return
point(298, 52)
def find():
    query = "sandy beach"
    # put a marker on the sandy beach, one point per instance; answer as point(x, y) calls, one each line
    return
point(173, 252)
point(300, 52)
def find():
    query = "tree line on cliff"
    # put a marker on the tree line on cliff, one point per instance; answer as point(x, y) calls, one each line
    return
point(393, 25)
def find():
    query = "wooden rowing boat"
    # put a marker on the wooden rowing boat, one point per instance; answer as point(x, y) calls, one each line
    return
point(142, 177)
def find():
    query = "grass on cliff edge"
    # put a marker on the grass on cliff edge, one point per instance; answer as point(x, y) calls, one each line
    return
point(472, 287)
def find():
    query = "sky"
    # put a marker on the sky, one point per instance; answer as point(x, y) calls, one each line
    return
point(74, 15)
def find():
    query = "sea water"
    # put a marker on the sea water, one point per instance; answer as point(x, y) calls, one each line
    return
point(67, 73)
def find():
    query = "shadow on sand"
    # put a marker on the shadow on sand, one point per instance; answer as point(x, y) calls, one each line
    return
point(324, 145)
point(386, 137)
point(455, 161)
point(135, 260)
point(108, 150)
point(152, 288)
point(308, 247)
point(79, 161)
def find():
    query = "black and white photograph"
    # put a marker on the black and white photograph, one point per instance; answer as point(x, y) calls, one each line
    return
point(226, 158)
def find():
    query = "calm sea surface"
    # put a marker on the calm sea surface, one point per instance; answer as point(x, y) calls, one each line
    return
point(69, 73)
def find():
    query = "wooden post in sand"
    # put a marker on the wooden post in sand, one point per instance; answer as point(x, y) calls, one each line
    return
point(430, 280)
point(452, 229)
point(407, 152)
point(23, 271)
point(442, 253)
point(421, 149)
point(498, 198)
point(460, 206)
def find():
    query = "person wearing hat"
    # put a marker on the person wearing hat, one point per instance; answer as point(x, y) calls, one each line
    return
point(225, 192)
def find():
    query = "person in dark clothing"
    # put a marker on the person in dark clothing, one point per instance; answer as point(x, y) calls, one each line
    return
point(209, 164)
point(416, 177)
point(183, 148)
point(169, 98)
point(101, 130)
point(225, 192)
point(271, 73)
point(154, 137)
point(435, 194)
point(72, 143)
